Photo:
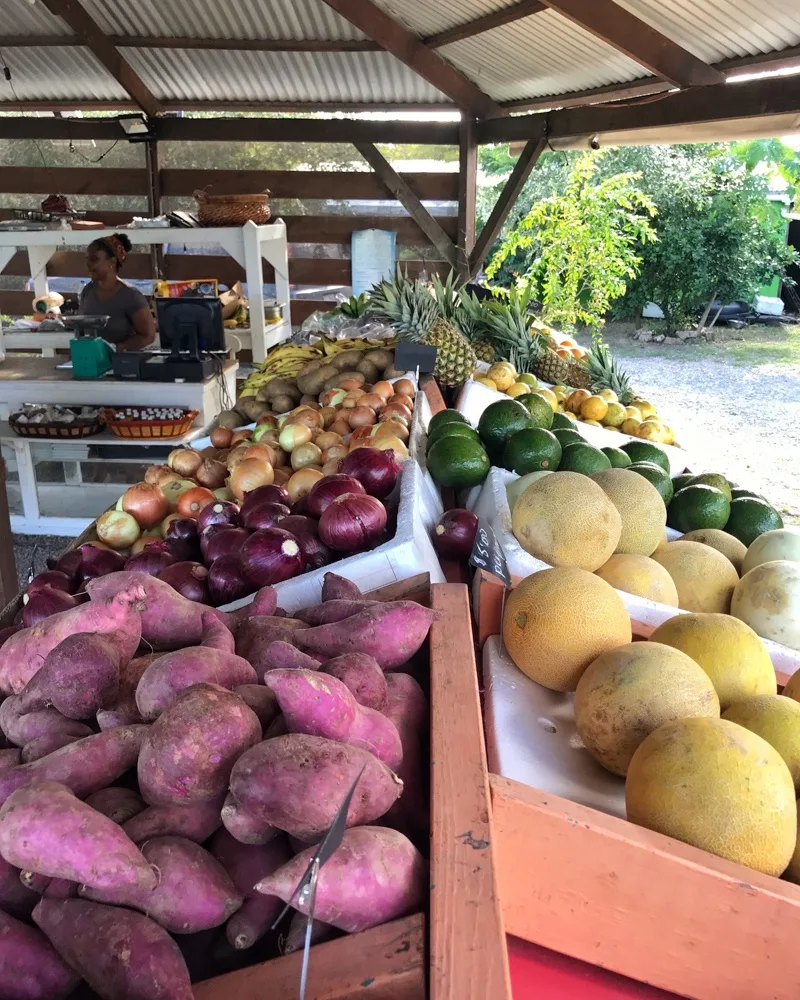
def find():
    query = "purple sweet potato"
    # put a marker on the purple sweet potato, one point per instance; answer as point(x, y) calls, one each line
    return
point(30, 969)
point(246, 865)
point(61, 888)
point(123, 712)
point(45, 829)
point(277, 727)
point(376, 875)
point(43, 746)
point(22, 727)
point(173, 672)
point(295, 939)
point(339, 588)
point(11, 757)
point(25, 652)
point(118, 804)
point(407, 707)
point(215, 634)
point(195, 822)
point(188, 752)
point(332, 611)
point(390, 632)
point(243, 827)
point(15, 898)
point(78, 676)
point(122, 955)
point(92, 763)
point(254, 636)
point(194, 892)
point(284, 656)
point(362, 674)
point(297, 783)
point(319, 704)
point(261, 700)
point(35, 882)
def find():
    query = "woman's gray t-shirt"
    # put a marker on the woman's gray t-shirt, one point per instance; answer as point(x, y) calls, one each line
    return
point(120, 308)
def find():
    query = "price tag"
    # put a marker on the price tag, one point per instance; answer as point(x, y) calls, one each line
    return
point(488, 554)
point(414, 357)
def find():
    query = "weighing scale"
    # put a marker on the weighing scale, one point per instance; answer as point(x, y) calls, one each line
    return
point(91, 356)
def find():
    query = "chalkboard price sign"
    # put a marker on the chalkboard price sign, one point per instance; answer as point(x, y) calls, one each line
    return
point(410, 357)
point(487, 554)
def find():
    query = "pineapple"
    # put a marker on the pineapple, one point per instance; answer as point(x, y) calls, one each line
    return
point(604, 373)
point(416, 316)
point(472, 320)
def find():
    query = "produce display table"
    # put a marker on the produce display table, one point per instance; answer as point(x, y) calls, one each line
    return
point(249, 245)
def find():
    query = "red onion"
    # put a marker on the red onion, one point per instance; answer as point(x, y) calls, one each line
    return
point(190, 579)
point(50, 578)
point(454, 535)
point(226, 580)
point(99, 562)
point(46, 602)
point(299, 506)
point(271, 555)
point(265, 515)
point(322, 493)
point(376, 470)
point(315, 554)
point(223, 543)
point(352, 522)
point(183, 540)
point(220, 512)
point(211, 531)
point(153, 559)
point(264, 494)
point(69, 563)
point(299, 522)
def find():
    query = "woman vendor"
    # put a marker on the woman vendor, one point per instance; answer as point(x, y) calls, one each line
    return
point(131, 326)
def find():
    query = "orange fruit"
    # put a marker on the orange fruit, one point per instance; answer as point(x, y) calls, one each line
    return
point(594, 408)
point(576, 399)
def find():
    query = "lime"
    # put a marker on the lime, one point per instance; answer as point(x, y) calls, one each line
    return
point(532, 450)
point(655, 474)
point(446, 430)
point(644, 451)
point(540, 410)
point(498, 422)
point(568, 435)
point(618, 458)
point(562, 420)
point(737, 494)
point(751, 517)
point(446, 417)
point(712, 479)
point(583, 457)
point(698, 506)
point(528, 379)
point(458, 462)
point(678, 482)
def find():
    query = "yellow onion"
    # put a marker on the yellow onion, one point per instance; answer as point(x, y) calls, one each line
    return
point(118, 529)
point(221, 437)
point(154, 473)
point(147, 503)
point(294, 435)
point(184, 461)
point(301, 483)
point(212, 474)
point(305, 454)
point(174, 490)
point(248, 475)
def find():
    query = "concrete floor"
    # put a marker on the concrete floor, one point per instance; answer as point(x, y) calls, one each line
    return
point(34, 549)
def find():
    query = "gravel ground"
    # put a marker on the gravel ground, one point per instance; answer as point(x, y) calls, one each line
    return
point(743, 422)
point(45, 545)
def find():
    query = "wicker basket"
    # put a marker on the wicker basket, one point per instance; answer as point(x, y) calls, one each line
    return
point(132, 428)
point(80, 429)
point(232, 209)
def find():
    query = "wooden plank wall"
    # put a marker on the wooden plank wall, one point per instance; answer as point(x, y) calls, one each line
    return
point(300, 185)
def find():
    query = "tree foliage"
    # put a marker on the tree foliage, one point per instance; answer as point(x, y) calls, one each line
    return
point(577, 250)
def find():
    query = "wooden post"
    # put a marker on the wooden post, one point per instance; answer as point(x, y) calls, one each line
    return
point(467, 194)
point(8, 568)
point(153, 165)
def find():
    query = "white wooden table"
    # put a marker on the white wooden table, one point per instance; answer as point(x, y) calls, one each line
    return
point(249, 245)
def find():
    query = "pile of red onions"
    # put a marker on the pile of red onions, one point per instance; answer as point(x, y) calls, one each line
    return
point(376, 470)
point(324, 492)
point(190, 579)
point(45, 602)
point(352, 522)
point(271, 555)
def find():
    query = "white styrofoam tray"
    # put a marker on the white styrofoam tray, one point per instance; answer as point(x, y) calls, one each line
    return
point(473, 398)
point(491, 505)
point(531, 737)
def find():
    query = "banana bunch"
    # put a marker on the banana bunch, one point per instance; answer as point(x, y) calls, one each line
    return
point(283, 361)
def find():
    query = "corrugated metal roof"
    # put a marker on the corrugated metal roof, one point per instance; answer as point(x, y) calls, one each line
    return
point(721, 29)
point(295, 19)
point(58, 74)
point(538, 56)
point(426, 18)
point(311, 77)
point(18, 17)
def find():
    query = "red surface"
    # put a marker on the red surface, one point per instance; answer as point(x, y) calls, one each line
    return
point(540, 974)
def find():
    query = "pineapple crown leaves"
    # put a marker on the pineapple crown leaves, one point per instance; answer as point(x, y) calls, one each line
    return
point(605, 373)
point(446, 295)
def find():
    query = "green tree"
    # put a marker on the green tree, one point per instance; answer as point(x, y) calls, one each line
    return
point(580, 249)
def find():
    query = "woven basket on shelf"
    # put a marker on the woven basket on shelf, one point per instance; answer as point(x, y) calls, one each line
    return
point(81, 428)
point(232, 209)
point(132, 428)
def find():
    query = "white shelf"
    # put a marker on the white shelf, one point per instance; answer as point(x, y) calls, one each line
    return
point(249, 245)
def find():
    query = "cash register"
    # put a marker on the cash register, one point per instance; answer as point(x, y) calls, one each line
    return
point(192, 338)
point(90, 355)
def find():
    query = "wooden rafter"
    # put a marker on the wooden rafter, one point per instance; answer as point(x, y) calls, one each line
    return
point(405, 46)
point(90, 33)
point(399, 188)
point(506, 15)
point(508, 196)
point(594, 95)
point(467, 195)
point(638, 40)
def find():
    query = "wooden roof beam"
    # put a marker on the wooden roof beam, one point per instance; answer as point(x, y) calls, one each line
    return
point(506, 15)
point(409, 49)
point(90, 34)
point(639, 41)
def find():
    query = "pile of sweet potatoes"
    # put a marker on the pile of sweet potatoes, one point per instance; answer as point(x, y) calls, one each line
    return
point(165, 771)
